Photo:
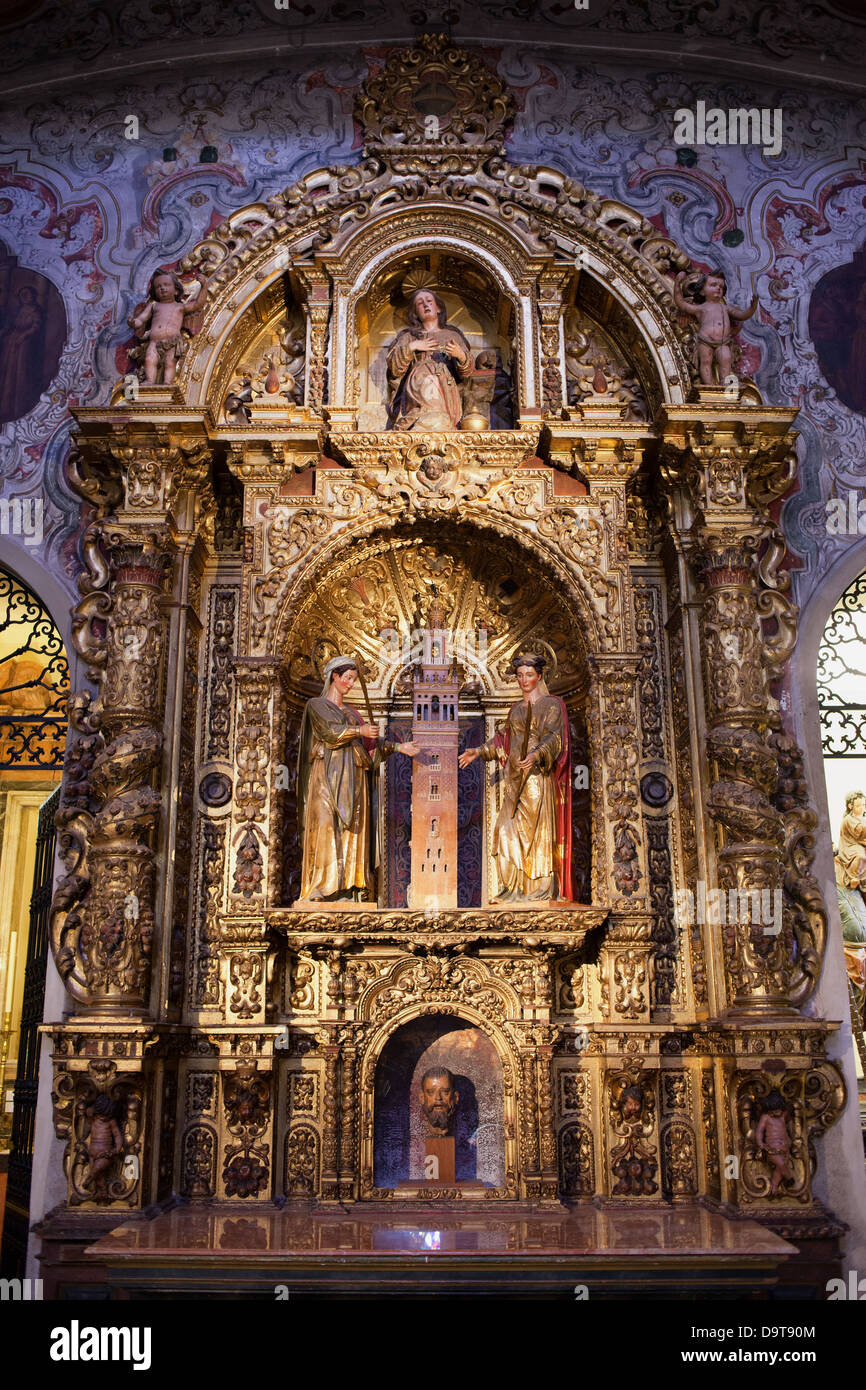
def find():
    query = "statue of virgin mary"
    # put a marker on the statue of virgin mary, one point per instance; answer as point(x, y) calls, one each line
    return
point(426, 363)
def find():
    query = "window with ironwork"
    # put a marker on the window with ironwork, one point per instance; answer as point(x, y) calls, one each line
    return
point(34, 682)
point(842, 676)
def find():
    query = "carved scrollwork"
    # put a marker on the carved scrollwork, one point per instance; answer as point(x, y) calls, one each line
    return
point(437, 979)
point(246, 973)
point(351, 195)
point(479, 104)
point(634, 1158)
point(679, 1160)
point(213, 855)
point(576, 1161)
point(246, 1155)
point(425, 478)
point(102, 916)
point(778, 1158)
point(302, 1161)
point(252, 754)
point(708, 1122)
point(619, 743)
point(198, 1180)
point(303, 989)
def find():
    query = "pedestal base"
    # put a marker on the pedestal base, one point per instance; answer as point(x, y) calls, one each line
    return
point(439, 1162)
point(534, 905)
point(324, 905)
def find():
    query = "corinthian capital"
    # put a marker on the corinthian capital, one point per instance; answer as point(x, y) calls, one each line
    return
point(732, 459)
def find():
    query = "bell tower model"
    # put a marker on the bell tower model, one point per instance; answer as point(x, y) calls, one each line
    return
point(436, 730)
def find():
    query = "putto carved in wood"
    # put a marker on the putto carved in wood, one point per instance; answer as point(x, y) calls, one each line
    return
point(164, 324)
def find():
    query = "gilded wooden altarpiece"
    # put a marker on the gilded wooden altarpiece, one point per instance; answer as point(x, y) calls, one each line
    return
point(239, 537)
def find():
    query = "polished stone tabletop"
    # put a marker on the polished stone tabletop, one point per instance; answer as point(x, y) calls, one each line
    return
point(677, 1234)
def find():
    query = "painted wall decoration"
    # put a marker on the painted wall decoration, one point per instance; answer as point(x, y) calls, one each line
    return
point(32, 334)
point(837, 327)
point(94, 213)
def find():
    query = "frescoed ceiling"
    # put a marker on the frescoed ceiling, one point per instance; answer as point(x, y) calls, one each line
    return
point(48, 42)
point(231, 103)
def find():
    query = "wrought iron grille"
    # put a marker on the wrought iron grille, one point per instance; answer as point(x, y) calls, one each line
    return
point(842, 676)
point(34, 682)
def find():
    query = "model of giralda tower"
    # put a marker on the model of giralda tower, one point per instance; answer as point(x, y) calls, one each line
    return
point(435, 729)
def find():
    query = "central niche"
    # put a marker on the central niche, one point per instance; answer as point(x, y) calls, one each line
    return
point(377, 601)
point(475, 309)
point(427, 1047)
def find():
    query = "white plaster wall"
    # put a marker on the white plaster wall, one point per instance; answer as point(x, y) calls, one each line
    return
point(48, 1186)
point(841, 1179)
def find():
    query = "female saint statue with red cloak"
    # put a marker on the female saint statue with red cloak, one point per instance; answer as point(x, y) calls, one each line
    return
point(532, 837)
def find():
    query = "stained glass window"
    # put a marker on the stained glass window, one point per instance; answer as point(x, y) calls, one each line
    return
point(34, 682)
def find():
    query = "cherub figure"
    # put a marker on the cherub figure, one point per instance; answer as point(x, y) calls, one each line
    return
point(164, 323)
point(432, 470)
point(104, 1143)
point(716, 320)
point(772, 1136)
point(631, 1105)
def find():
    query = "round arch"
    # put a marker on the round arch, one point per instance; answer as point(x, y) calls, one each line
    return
point(24, 565)
point(31, 749)
point(466, 1013)
point(542, 552)
point(407, 242)
point(523, 232)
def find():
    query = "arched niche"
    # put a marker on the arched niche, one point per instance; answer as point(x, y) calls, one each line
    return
point(426, 1044)
point(335, 241)
point(844, 1142)
point(449, 189)
point(367, 595)
point(372, 598)
point(264, 360)
point(467, 250)
point(34, 686)
point(522, 551)
point(368, 592)
point(476, 305)
point(606, 353)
